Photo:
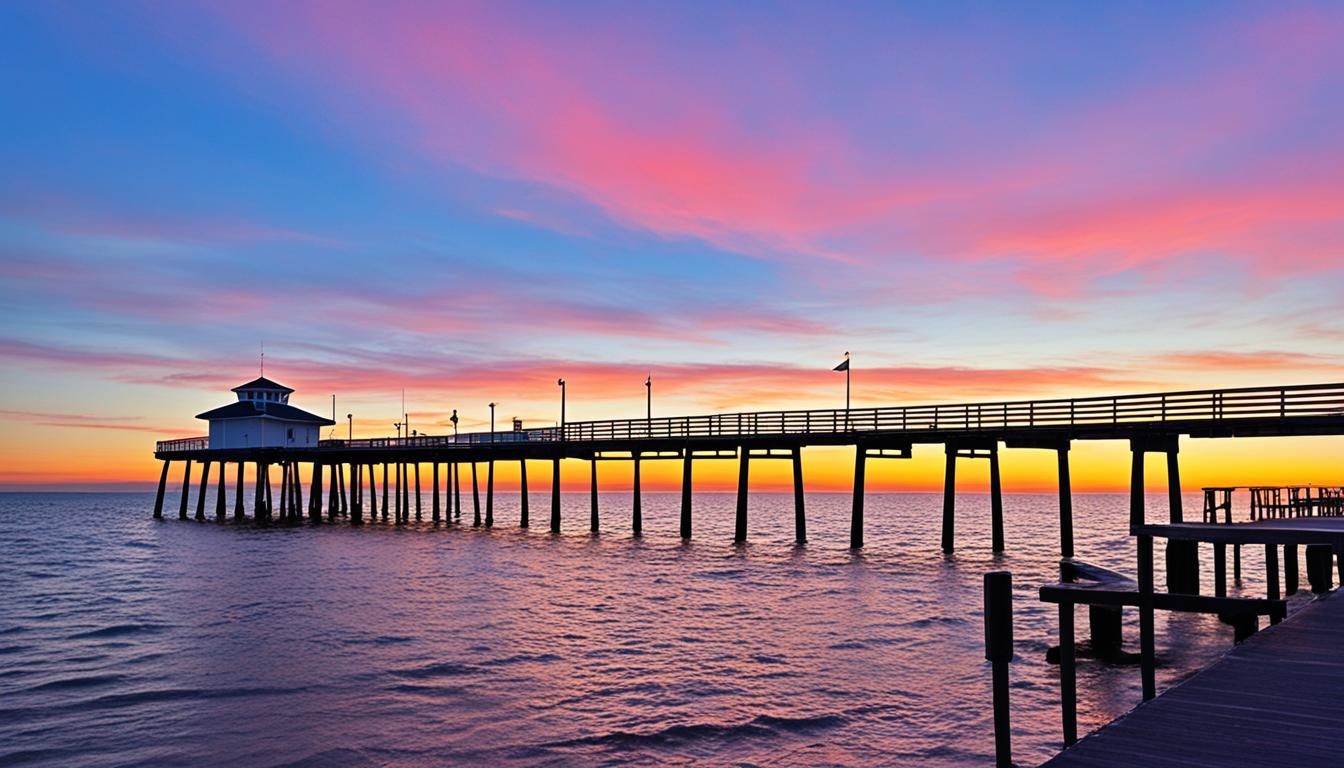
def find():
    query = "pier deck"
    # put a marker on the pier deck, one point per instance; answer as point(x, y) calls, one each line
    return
point(1275, 700)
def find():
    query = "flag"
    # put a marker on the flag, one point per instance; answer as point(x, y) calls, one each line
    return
point(843, 366)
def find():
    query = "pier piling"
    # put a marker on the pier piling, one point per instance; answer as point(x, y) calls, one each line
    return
point(475, 498)
point(158, 497)
point(743, 472)
point(186, 490)
point(386, 512)
point(434, 505)
point(205, 485)
point(999, 652)
point(995, 501)
point(1065, 503)
point(238, 512)
point(522, 494)
point(686, 495)
point(220, 492)
point(490, 494)
point(799, 512)
point(592, 498)
point(856, 512)
point(417, 492)
point(950, 500)
point(1290, 571)
point(636, 508)
point(555, 496)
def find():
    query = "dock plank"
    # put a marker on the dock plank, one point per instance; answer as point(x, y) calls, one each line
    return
point(1275, 700)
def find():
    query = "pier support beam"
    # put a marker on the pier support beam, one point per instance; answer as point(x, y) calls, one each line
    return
point(522, 494)
point(266, 479)
point(340, 479)
point(743, 473)
point(200, 495)
point(315, 493)
point(555, 496)
point(686, 495)
point(592, 498)
point(1065, 504)
point(397, 495)
point(186, 491)
point(297, 492)
point(856, 513)
point(356, 495)
point(995, 502)
point(163, 484)
point(1290, 570)
point(373, 495)
point(490, 494)
point(239, 514)
point(221, 491)
point(434, 509)
point(333, 506)
point(405, 493)
point(799, 512)
point(385, 507)
point(637, 508)
point(475, 498)
point(457, 492)
point(950, 500)
point(417, 492)
point(284, 491)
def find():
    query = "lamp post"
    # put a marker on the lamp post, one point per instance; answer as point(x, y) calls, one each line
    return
point(350, 421)
point(648, 397)
point(561, 382)
point(398, 426)
point(492, 422)
point(453, 419)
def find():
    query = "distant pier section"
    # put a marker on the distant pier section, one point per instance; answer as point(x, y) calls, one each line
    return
point(264, 431)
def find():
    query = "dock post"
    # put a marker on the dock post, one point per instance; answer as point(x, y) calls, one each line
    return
point(386, 512)
point(1147, 643)
point(356, 495)
point(592, 497)
point(1182, 556)
point(434, 508)
point(1136, 514)
point(163, 484)
point(186, 491)
point(396, 492)
point(856, 511)
point(221, 491)
point(995, 500)
point(743, 472)
point(686, 495)
point(637, 510)
point(205, 485)
point(475, 498)
point(258, 499)
point(1272, 576)
point(1065, 504)
point(373, 495)
point(1220, 570)
point(315, 493)
point(490, 494)
point(417, 492)
point(522, 494)
point(1068, 675)
point(999, 652)
point(333, 506)
point(1290, 571)
point(457, 491)
point(1318, 568)
point(950, 499)
point(284, 490)
point(799, 511)
point(238, 511)
point(340, 478)
point(555, 495)
point(266, 476)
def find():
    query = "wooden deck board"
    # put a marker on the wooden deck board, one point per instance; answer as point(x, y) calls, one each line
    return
point(1275, 700)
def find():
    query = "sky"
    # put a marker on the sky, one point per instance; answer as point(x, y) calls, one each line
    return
point(466, 201)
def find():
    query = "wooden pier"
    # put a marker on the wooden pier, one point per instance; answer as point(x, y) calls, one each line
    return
point(1275, 700)
point(346, 469)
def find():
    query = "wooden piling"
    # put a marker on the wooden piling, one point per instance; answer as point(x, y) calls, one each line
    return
point(221, 491)
point(238, 511)
point(333, 506)
point(417, 492)
point(386, 512)
point(1136, 511)
point(258, 497)
point(266, 477)
point(1068, 675)
point(457, 491)
point(1065, 504)
point(356, 495)
point(186, 491)
point(995, 501)
point(1147, 641)
point(592, 498)
point(163, 484)
point(396, 493)
point(522, 494)
point(856, 512)
point(405, 494)
point(434, 504)
point(205, 485)
point(950, 500)
point(998, 610)
point(475, 498)
point(743, 471)
point(686, 495)
point(340, 480)
point(637, 509)
point(1290, 571)
point(315, 492)
point(373, 495)
point(1272, 576)
point(490, 494)
point(555, 496)
point(284, 491)
point(799, 511)
point(1220, 570)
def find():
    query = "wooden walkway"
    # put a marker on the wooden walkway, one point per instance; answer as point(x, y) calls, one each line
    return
point(1275, 700)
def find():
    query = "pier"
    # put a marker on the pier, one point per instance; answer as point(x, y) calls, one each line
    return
point(346, 472)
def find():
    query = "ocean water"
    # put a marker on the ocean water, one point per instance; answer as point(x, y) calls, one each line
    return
point(129, 641)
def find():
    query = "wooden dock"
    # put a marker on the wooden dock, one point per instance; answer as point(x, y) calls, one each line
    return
point(1275, 700)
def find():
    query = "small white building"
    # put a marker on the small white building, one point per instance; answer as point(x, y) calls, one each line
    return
point(263, 418)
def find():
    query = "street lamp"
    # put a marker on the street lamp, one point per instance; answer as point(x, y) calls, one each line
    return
point(350, 420)
point(561, 382)
point(398, 426)
point(648, 397)
point(453, 419)
point(492, 422)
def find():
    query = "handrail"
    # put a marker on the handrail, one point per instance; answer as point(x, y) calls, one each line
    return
point(1309, 400)
point(183, 444)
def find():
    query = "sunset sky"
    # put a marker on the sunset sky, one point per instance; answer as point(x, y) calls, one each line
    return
point(467, 201)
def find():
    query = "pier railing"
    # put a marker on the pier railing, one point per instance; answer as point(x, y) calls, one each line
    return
point(1310, 400)
point(1206, 405)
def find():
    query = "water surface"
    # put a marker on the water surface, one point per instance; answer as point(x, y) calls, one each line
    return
point(129, 641)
